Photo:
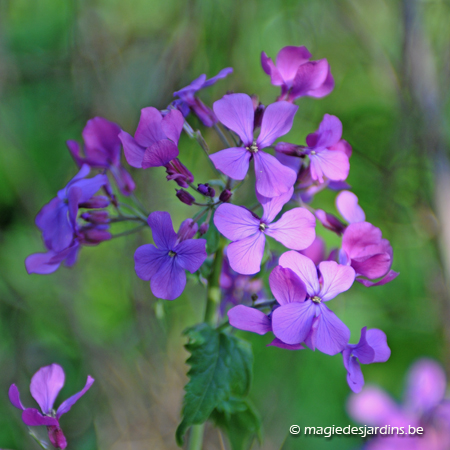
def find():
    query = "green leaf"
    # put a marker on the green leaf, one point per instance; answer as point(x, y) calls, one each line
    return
point(240, 421)
point(221, 367)
point(212, 237)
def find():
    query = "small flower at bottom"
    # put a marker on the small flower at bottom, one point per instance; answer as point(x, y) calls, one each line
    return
point(165, 263)
point(45, 386)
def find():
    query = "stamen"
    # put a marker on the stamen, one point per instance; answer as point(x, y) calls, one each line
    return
point(172, 254)
point(253, 148)
point(316, 299)
point(313, 152)
point(262, 226)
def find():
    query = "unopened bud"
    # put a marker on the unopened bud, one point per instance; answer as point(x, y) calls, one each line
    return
point(225, 195)
point(185, 197)
point(206, 190)
point(204, 227)
point(187, 230)
point(96, 217)
point(99, 201)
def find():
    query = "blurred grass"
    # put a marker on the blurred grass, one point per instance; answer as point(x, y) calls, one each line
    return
point(62, 63)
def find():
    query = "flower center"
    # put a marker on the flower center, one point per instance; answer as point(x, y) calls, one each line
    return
point(172, 254)
point(316, 299)
point(313, 152)
point(253, 148)
point(262, 226)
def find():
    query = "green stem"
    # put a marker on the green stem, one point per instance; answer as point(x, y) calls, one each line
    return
point(222, 137)
point(213, 292)
point(196, 437)
point(126, 233)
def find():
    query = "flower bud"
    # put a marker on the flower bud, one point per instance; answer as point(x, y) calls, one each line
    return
point(98, 201)
point(187, 230)
point(206, 190)
point(185, 197)
point(94, 235)
point(204, 227)
point(290, 149)
point(179, 173)
point(96, 217)
point(225, 195)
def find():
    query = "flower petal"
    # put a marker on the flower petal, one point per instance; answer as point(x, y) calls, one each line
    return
point(33, 418)
point(170, 280)
point(134, 153)
point(391, 275)
point(377, 340)
point(233, 162)
point(325, 88)
point(235, 222)
point(222, 74)
point(296, 229)
point(291, 323)
point(273, 205)
point(245, 255)
point(355, 378)
point(45, 386)
point(14, 397)
point(289, 59)
point(277, 121)
point(286, 286)
point(159, 154)
point(235, 111)
point(336, 279)
point(316, 251)
point(147, 260)
point(149, 129)
point(362, 350)
point(191, 254)
point(310, 76)
point(347, 205)
point(269, 67)
point(41, 263)
point(249, 319)
point(163, 233)
point(67, 404)
point(272, 178)
point(329, 132)
point(304, 268)
point(333, 165)
point(358, 236)
point(172, 125)
point(280, 344)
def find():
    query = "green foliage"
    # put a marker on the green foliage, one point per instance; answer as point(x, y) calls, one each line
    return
point(212, 237)
point(221, 369)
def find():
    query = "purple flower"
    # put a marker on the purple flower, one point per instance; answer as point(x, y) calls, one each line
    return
point(102, 149)
point(316, 251)
point(235, 111)
point(156, 139)
point(179, 173)
point(371, 348)
point(45, 386)
point(206, 190)
point(188, 100)
point(424, 406)
point(298, 76)
point(295, 229)
point(165, 263)
point(47, 263)
point(298, 320)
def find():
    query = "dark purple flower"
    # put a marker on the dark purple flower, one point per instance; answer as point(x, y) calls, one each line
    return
point(225, 195)
point(297, 76)
point(102, 149)
point(165, 263)
point(156, 139)
point(235, 111)
point(188, 100)
point(371, 348)
point(185, 197)
point(45, 386)
point(179, 173)
point(298, 320)
point(295, 229)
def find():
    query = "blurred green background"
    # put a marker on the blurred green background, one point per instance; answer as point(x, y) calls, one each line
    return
point(63, 62)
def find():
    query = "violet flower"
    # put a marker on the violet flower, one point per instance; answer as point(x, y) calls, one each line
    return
point(165, 263)
point(102, 148)
point(371, 348)
point(235, 111)
point(179, 173)
point(156, 139)
point(45, 386)
point(298, 76)
point(188, 101)
point(424, 406)
point(295, 229)
point(298, 320)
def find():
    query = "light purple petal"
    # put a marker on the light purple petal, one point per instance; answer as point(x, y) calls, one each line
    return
point(291, 323)
point(149, 129)
point(235, 111)
point(358, 236)
point(45, 386)
point(289, 59)
point(123, 179)
point(336, 279)
point(316, 251)
point(41, 263)
point(14, 397)
point(293, 162)
point(222, 74)
point(163, 233)
point(286, 286)
point(280, 344)
point(329, 132)
point(270, 68)
point(355, 378)
point(33, 418)
point(74, 195)
point(170, 280)
point(372, 266)
point(363, 350)
point(89, 186)
point(377, 340)
point(235, 222)
point(272, 178)
point(75, 151)
point(310, 76)
point(391, 275)
point(333, 165)
point(245, 255)
point(191, 88)
point(159, 154)
point(330, 334)
point(147, 260)
point(172, 125)
point(134, 153)
point(233, 162)
point(277, 121)
point(67, 404)
point(304, 268)
point(347, 205)
point(249, 319)
point(272, 206)
point(295, 229)
point(191, 254)
point(325, 88)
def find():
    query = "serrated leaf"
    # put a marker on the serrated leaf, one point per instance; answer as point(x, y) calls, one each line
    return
point(221, 367)
point(212, 237)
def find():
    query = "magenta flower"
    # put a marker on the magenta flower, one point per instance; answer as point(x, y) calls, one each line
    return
point(295, 229)
point(188, 100)
point(156, 139)
point(424, 406)
point(165, 263)
point(371, 348)
point(102, 148)
point(297, 76)
point(235, 111)
point(309, 320)
point(45, 386)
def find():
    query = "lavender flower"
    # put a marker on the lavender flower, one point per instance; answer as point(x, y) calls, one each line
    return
point(295, 229)
point(298, 76)
point(165, 263)
point(45, 386)
point(235, 111)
